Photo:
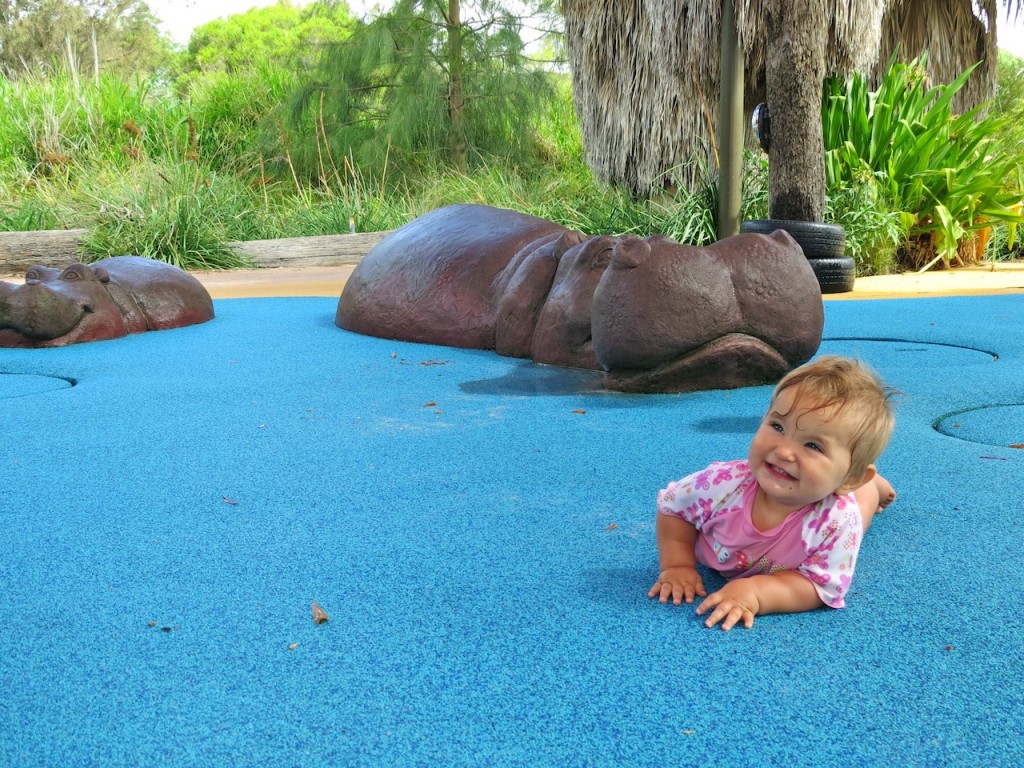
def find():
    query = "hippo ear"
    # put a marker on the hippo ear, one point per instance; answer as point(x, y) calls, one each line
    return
point(630, 252)
point(101, 274)
point(568, 240)
point(524, 296)
point(782, 236)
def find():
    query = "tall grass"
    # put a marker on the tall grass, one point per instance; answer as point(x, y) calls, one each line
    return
point(177, 214)
point(178, 170)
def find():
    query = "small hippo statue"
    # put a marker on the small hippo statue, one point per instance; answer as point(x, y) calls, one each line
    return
point(106, 300)
point(654, 315)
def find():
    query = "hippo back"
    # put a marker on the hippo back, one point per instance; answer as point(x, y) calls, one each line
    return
point(439, 278)
point(153, 295)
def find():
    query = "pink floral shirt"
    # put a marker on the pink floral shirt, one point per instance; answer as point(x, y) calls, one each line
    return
point(820, 541)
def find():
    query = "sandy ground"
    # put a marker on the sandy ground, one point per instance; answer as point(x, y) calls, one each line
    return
point(975, 280)
point(276, 281)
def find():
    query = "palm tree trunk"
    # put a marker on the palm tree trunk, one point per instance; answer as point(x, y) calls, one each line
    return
point(794, 72)
point(456, 115)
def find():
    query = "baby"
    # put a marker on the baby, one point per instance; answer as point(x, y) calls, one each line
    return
point(785, 525)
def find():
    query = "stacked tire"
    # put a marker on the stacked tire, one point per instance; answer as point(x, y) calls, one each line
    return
point(824, 246)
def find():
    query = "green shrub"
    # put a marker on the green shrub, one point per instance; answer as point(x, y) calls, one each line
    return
point(177, 171)
point(177, 215)
point(938, 168)
point(875, 230)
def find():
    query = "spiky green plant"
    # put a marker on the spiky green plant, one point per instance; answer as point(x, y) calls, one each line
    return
point(935, 166)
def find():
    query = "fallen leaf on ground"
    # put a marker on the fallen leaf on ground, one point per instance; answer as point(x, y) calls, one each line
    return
point(229, 501)
point(293, 646)
point(1017, 445)
point(431, 404)
point(578, 410)
point(150, 623)
point(394, 355)
point(612, 527)
point(319, 614)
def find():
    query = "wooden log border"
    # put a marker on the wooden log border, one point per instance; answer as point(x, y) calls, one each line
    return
point(58, 248)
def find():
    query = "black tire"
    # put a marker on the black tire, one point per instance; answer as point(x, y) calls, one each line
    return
point(818, 239)
point(834, 275)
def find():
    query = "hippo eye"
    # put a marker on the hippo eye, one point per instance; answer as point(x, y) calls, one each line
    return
point(31, 275)
point(71, 274)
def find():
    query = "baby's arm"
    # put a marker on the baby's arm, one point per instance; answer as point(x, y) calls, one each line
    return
point(679, 578)
point(742, 599)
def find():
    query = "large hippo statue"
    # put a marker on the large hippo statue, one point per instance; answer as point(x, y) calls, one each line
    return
point(107, 300)
point(654, 315)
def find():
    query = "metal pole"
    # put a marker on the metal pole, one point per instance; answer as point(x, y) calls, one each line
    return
point(730, 126)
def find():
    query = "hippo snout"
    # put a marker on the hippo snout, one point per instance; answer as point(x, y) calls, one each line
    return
point(37, 312)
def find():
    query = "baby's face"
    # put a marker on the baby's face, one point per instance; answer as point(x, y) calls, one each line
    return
point(799, 455)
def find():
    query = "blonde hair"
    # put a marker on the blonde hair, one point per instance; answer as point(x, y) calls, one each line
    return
point(851, 388)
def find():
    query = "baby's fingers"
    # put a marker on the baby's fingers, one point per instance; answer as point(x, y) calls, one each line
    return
point(661, 590)
point(733, 616)
point(728, 613)
point(664, 590)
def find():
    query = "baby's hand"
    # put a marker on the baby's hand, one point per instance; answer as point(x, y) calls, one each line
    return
point(734, 602)
point(680, 583)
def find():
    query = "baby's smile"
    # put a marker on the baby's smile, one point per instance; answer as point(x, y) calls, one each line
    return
point(777, 470)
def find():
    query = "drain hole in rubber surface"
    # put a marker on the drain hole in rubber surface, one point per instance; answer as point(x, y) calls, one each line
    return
point(1001, 425)
point(900, 352)
point(25, 384)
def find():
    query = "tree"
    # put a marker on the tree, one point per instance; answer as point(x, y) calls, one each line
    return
point(281, 35)
point(86, 36)
point(1009, 105)
point(794, 73)
point(645, 85)
point(956, 34)
point(427, 80)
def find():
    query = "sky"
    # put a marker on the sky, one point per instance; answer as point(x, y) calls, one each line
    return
point(179, 17)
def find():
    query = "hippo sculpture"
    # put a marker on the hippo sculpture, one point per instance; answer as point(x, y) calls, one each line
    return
point(107, 300)
point(654, 315)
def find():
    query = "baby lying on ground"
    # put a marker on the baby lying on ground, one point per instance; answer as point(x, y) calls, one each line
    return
point(784, 526)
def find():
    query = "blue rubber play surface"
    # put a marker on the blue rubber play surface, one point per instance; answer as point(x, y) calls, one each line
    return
point(480, 531)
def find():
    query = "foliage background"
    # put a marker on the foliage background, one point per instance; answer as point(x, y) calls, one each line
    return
point(286, 121)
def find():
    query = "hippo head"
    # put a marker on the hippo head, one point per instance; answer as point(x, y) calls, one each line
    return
point(58, 307)
point(563, 334)
point(668, 317)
